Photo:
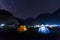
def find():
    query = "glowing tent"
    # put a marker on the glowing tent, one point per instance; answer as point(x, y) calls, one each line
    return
point(44, 30)
point(22, 28)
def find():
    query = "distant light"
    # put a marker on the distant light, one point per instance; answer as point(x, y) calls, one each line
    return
point(30, 26)
point(2, 25)
point(50, 26)
point(46, 25)
point(42, 25)
point(37, 26)
point(44, 30)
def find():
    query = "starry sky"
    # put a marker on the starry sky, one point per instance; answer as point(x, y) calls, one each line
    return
point(29, 8)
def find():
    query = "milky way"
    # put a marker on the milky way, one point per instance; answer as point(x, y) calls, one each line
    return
point(29, 8)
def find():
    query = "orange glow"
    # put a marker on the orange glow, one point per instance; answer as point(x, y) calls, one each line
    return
point(22, 28)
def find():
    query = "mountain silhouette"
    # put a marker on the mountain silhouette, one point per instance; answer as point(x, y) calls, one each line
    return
point(7, 18)
point(29, 21)
point(49, 17)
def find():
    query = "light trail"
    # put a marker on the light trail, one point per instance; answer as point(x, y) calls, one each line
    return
point(47, 25)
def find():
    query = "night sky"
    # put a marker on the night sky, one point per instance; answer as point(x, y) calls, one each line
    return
point(29, 8)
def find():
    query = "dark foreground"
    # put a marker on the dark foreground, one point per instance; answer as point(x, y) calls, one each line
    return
point(29, 35)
